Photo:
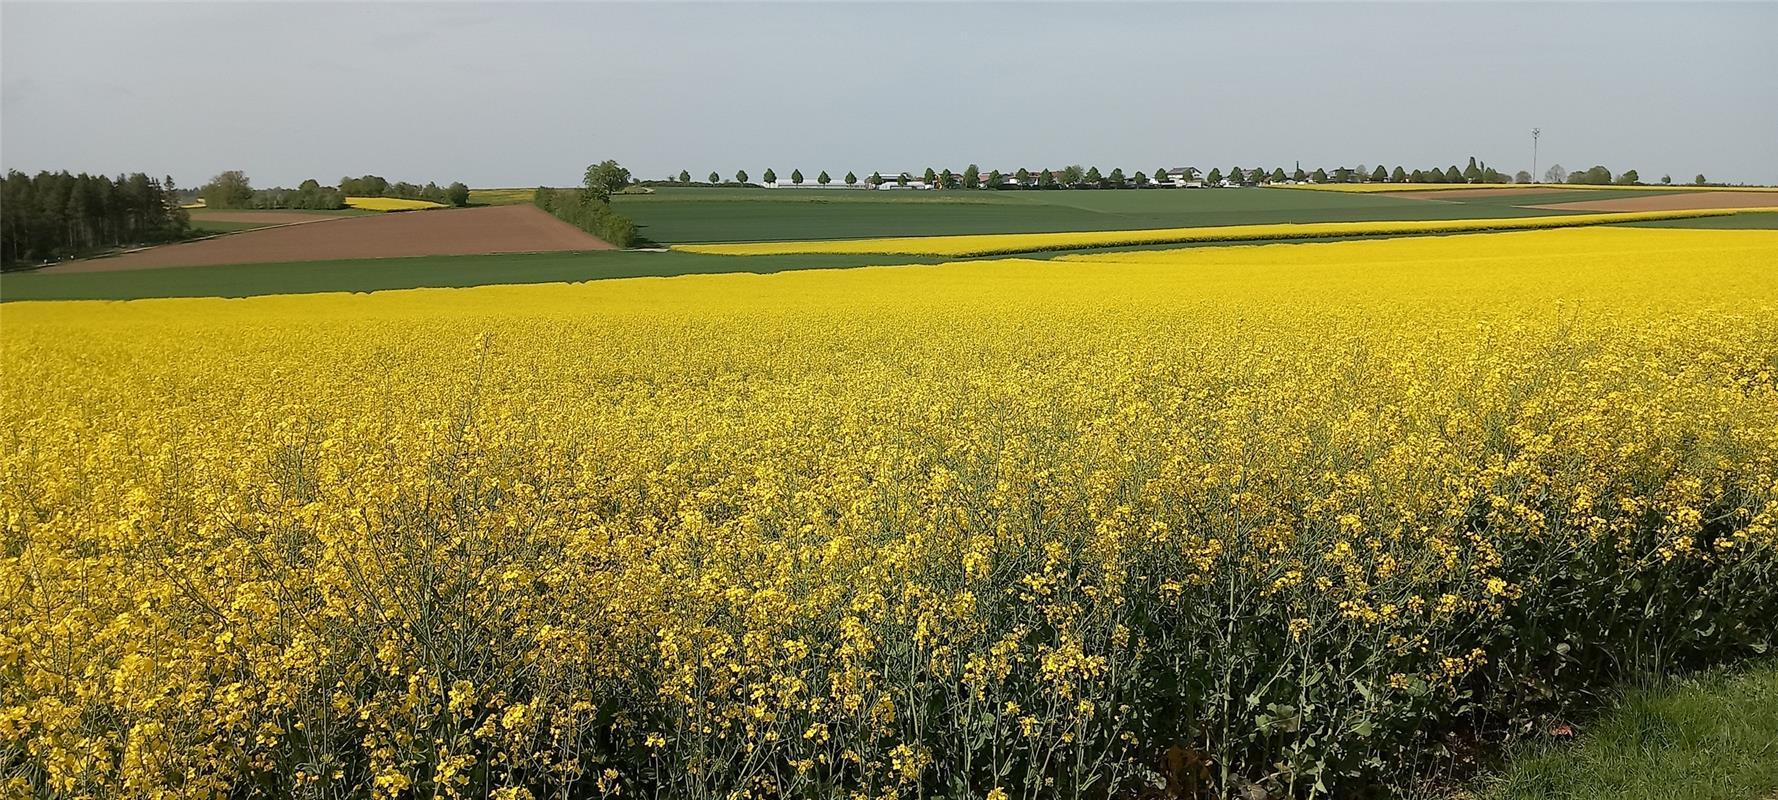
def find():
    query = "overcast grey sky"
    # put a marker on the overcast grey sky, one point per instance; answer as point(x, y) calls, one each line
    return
point(521, 94)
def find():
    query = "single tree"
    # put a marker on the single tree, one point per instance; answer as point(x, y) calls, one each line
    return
point(972, 176)
point(994, 179)
point(1023, 176)
point(684, 176)
point(1299, 175)
point(1116, 178)
point(1629, 178)
point(605, 179)
point(1452, 175)
point(769, 176)
point(1472, 173)
point(1319, 175)
point(903, 178)
point(229, 189)
point(715, 178)
point(1073, 174)
point(1343, 175)
point(1555, 174)
point(1092, 177)
point(1399, 175)
point(851, 179)
point(459, 194)
point(1215, 176)
point(1378, 175)
point(1417, 177)
point(740, 176)
point(1139, 179)
point(1048, 180)
point(1699, 181)
point(1666, 180)
point(823, 179)
point(876, 179)
point(930, 177)
point(1521, 177)
point(1278, 175)
point(796, 177)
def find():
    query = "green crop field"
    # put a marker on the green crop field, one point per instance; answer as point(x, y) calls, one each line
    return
point(217, 226)
point(368, 275)
point(681, 216)
point(378, 274)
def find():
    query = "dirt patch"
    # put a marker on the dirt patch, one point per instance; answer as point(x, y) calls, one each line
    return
point(1678, 201)
point(1453, 194)
point(261, 217)
point(451, 232)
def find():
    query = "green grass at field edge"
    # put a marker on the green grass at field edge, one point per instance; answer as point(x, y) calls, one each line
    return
point(1713, 736)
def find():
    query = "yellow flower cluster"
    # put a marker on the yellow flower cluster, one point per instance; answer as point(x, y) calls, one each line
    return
point(389, 204)
point(1439, 187)
point(1001, 528)
point(1002, 243)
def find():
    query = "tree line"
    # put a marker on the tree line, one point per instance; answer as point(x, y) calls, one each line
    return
point(1079, 177)
point(1600, 176)
point(233, 189)
point(55, 215)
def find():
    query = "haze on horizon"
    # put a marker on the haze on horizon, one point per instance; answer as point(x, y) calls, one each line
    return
point(526, 94)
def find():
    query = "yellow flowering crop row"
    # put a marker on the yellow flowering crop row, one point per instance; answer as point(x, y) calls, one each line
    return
point(390, 204)
point(1002, 243)
point(1283, 515)
point(500, 197)
point(1439, 187)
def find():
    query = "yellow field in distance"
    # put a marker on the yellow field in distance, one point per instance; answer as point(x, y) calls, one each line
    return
point(500, 197)
point(1437, 187)
point(390, 204)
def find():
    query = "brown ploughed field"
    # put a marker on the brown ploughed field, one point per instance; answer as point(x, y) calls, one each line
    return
point(1454, 194)
point(447, 232)
point(1677, 201)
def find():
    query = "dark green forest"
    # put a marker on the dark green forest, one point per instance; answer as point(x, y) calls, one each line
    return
point(51, 216)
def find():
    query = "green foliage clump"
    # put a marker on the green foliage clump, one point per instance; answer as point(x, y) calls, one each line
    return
point(587, 213)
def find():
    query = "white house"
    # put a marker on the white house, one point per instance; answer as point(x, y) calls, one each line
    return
point(1180, 177)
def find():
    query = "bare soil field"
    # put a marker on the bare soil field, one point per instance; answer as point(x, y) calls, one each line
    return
point(1454, 194)
point(261, 217)
point(1670, 202)
point(452, 232)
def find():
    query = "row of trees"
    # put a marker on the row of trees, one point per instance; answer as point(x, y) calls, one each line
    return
point(1079, 177)
point(456, 194)
point(233, 189)
point(54, 215)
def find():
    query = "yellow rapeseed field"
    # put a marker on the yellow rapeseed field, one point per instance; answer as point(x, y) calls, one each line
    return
point(1001, 243)
point(1171, 523)
point(389, 204)
point(1435, 187)
point(501, 197)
